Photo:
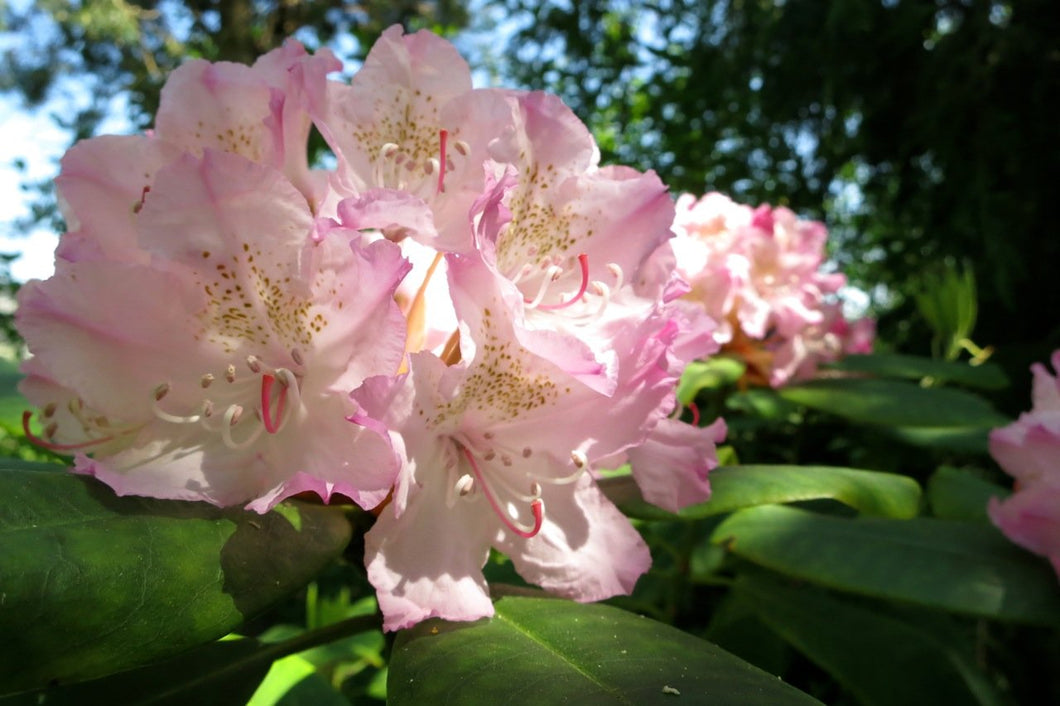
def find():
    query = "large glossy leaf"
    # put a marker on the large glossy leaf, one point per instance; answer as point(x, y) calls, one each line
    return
point(895, 403)
point(987, 376)
point(954, 494)
point(956, 566)
point(735, 487)
point(547, 651)
point(217, 674)
point(882, 659)
point(966, 439)
point(93, 583)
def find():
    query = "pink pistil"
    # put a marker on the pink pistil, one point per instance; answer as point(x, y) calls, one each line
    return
point(583, 262)
point(51, 446)
point(272, 425)
point(443, 137)
point(695, 413)
point(537, 506)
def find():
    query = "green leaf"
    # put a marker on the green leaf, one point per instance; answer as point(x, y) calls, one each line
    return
point(967, 439)
point(715, 372)
point(217, 674)
point(293, 681)
point(92, 583)
point(956, 566)
point(735, 487)
point(987, 376)
point(547, 651)
point(954, 494)
point(882, 659)
point(12, 403)
point(895, 403)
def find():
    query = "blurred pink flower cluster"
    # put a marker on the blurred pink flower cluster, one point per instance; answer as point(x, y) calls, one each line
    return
point(758, 271)
point(454, 325)
point(1029, 451)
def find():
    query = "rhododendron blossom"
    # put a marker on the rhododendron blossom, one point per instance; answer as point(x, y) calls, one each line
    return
point(1029, 451)
point(759, 272)
point(457, 327)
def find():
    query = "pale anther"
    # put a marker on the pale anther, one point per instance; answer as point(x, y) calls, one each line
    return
point(230, 373)
point(254, 364)
point(206, 380)
point(579, 459)
point(161, 391)
point(465, 485)
point(297, 357)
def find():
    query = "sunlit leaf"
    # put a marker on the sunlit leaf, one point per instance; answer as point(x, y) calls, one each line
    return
point(93, 583)
point(987, 376)
point(895, 403)
point(715, 372)
point(735, 487)
point(547, 651)
point(217, 674)
point(956, 566)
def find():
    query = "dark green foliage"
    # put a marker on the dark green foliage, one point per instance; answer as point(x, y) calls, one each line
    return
point(919, 130)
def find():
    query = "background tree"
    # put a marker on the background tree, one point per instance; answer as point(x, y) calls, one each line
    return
point(919, 131)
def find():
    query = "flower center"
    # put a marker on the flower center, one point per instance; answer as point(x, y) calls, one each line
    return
point(404, 169)
point(272, 393)
point(501, 477)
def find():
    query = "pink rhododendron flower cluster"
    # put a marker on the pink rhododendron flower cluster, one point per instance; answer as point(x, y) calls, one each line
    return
point(1029, 451)
point(455, 327)
point(758, 272)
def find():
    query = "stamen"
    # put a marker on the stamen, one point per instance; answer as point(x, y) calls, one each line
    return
point(230, 373)
point(616, 272)
point(254, 364)
point(232, 417)
point(49, 410)
point(537, 506)
point(523, 272)
point(465, 485)
point(581, 463)
point(605, 297)
point(551, 275)
point(51, 445)
point(159, 393)
point(297, 357)
point(583, 262)
point(462, 147)
point(206, 380)
point(443, 162)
